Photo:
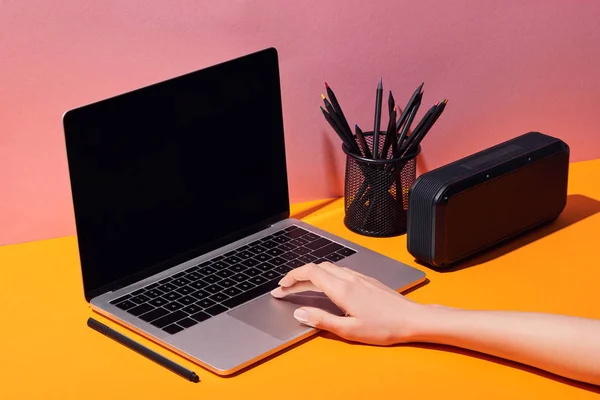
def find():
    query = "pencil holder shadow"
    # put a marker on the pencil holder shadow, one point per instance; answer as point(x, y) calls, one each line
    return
point(376, 192)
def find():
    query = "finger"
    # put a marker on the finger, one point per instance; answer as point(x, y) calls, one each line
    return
point(340, 272)
point(331, 285)
point(281, 291)
point(321, 319)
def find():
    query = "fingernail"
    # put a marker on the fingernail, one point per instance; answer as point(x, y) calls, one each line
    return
point(277, 292)
point(301, 315)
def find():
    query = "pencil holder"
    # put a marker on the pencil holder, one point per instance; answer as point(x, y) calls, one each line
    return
point(376, 191)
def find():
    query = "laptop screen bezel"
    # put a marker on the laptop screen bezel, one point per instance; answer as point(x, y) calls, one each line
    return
point(89, 293)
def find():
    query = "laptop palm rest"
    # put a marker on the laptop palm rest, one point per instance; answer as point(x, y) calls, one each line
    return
point(275, 316)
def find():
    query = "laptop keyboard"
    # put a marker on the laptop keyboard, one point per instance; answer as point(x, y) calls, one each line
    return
point(224, 282)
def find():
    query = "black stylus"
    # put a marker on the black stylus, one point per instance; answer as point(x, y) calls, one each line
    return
point(146, 352)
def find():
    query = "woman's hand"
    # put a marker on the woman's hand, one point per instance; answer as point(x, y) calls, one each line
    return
point(375, 313)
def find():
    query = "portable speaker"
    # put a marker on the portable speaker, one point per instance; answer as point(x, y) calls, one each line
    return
point(487, 198)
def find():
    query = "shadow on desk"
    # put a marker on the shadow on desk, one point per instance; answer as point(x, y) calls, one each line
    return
point(578, 208)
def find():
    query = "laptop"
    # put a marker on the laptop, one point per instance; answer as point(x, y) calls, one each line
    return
point(182, 214)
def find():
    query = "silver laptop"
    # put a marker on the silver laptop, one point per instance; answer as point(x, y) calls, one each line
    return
point(181, 204)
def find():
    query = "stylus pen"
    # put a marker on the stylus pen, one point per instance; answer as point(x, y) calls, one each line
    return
point(146, 352)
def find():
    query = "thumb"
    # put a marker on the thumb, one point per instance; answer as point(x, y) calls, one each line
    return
point(321, 319)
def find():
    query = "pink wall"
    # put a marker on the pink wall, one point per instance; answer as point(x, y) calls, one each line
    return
point(507, 67)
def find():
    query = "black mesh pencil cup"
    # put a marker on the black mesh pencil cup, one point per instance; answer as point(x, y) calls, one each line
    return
point(376, 191)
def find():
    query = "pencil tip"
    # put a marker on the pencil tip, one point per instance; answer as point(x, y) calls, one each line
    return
point(326, 85)
point(322, 96)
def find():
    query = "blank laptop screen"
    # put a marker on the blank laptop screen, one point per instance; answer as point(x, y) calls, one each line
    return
point(167, 169)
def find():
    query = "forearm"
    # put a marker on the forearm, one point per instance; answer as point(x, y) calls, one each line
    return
point(566, 346)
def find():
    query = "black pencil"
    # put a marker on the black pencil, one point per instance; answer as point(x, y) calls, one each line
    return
point(411, 116)
point(391, 103)
point(336, 129)
point(362, 141)
point(409, 106)
point(388, 134)
point(347, 133)
point(377, 122)
point(428, 125)
point(338, 108)
point(418, 130)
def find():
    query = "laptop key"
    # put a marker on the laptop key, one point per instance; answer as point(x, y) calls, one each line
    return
point(278, 261)
point(192, 269)
point(237, 268)
point(211, 279)
point(251, 262)
point(227, 283)
point(296, 233)
point(232, 260)
point(263, 257)
point(269, 244)
point(187, 300)
point(186, 322)
point(172, 329)
point(198, 284)
point(207, 271)
point(265, 266)
point(311, 236)
point(185, 290)
point(215, 310)
point(169, 319)
point(257, 249)
point(172, 296)
point(307, 258)
point(153, 293)
point(287, 247)
point(323, 251)
point(126, 305)
point(317, 244)
point(282, 269)
point(205, 303)
point(166, 280)
point(302, 251)
point(193, 276)
point(275, 252)
point(154, 314)
point(282, 239)
point(298, 242)
point(290, 256)
point(230, 253)
point(157, 302)
point(252, 271)
point(258, 280)
point(268, 275)
point(173, 306)
point(213, 288)
point(200, 316)
point(120, 299)
point(226, 273)
point(141, 309)
point(200, 294)
point(245, 286)
point(255, 243)
point(219, 297)
point(251, 294)
point(290, 228)
point(333, 257)
point(232, 291)
point(346, 252)
point(140, 299)
point(295, 263)
point(138, 292)
point(245, 255)
point(279, 233)
point(167, 287)
point(191, 309)
point(179, 274)
point(239, 277)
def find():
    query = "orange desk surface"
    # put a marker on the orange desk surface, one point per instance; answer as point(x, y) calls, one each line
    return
point(48, 352)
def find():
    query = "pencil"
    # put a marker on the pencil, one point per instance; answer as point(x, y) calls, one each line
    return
point(377, 122)
point(336, 129)
point(427, 127)
point(388, 134)
point(336, 106)
point(409, 106)
point(411, 116)
point(391, 103)
point(362, 141)
point(338, 123)
point(418, 130)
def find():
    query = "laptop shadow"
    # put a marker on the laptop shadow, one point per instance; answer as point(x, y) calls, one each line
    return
point(578, 208)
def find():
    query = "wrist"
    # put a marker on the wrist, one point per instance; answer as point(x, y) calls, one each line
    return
point(426, 323)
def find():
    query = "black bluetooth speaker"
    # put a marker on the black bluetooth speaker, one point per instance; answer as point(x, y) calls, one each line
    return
point(487, 198)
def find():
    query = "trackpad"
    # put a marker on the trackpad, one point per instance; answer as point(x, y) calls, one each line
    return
point(276, 316)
